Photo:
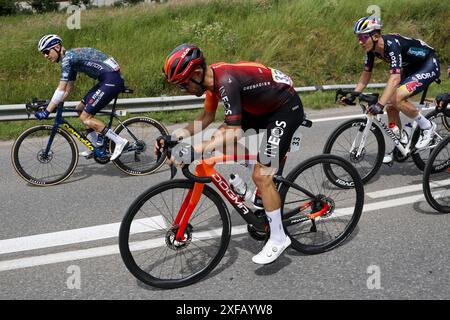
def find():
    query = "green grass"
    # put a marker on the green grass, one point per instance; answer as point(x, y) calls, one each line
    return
point(310, 40)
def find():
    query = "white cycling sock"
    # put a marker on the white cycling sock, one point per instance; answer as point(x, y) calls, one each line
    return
point(423, 122)
point(277, 234)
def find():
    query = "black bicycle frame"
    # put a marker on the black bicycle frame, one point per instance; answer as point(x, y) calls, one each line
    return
point(248, 214)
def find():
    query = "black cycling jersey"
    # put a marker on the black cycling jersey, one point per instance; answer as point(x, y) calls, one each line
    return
point(401, 53)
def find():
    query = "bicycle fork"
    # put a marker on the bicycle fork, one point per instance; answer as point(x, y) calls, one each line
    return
point(185, 212)
point(363, 139)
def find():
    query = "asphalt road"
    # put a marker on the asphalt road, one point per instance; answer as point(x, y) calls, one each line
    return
point(399, 250)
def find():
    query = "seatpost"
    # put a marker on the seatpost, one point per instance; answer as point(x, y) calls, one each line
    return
point(424, 95)
point(114, 104)
point(113, 110)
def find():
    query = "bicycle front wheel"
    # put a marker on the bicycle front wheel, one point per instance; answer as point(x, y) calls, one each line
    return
point(345, 142)
point(147, 236)
point(317, 214)
point(138, 158)
point(41, 168)
point(436, 177)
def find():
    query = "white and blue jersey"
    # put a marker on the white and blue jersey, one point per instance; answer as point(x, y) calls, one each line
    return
point(89, 61)
point(98, 66)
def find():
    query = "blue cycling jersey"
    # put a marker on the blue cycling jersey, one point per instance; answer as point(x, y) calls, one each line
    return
point(90, 61)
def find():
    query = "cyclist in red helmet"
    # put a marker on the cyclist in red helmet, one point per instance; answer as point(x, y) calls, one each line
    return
point(254, 97)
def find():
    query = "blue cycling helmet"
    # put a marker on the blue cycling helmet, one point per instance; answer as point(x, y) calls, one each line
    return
point(48, 41)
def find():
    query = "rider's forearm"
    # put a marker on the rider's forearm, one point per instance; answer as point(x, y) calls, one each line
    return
point(58, 96)
point(363, 81)
point(69, 89)
point(391, 87)
point(220, 140)
point(193, 127)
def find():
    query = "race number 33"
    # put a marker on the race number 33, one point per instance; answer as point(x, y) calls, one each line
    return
point(281, 77)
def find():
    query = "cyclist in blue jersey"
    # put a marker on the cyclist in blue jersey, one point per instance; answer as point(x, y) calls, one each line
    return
point(96, 65)
point(413, 66)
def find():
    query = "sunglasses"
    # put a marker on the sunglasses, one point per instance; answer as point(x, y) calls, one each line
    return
point(46, 51)
point(364, 37)
point(185, 85)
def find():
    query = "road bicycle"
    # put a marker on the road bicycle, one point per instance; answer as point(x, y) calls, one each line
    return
point(175, 233)
point(436, 177)
point(47, 155)
point(361, 140)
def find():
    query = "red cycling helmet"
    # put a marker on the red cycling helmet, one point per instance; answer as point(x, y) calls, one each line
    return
point(181, 63)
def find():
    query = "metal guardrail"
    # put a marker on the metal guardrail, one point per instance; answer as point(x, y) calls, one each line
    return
point(139, 105)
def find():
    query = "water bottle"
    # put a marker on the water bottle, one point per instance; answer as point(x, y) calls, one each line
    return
point(240, 187)
point(406, 133)
point(394, 129)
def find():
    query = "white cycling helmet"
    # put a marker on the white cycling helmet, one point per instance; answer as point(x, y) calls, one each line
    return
point(48, 41)
point(367, 25)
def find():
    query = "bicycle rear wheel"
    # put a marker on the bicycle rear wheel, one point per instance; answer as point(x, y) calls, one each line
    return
point(34, 166)
point(147, 232)
point(436, 177)
point(138, 159)
point(344, 142)
point(342, 207)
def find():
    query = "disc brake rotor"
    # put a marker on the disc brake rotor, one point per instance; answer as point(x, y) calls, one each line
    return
point(175, 244)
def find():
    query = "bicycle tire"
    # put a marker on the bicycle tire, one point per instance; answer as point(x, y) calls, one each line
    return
point(430, 169)
point(420, 158)
point(140, 163)
point(366, 175)
point(345, 208)
point(220, 210)
point(18, 160)
point(446, 122)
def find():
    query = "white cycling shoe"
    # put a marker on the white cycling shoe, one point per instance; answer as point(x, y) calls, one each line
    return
point(118, 149)
point(426, 136)
point(271, 251)
point(388, 157)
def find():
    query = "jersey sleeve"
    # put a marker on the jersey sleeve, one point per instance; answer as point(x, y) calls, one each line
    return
point(394, 54)
point(211, 102)
point(67, 72)
point(229, 89)
point(369, 61)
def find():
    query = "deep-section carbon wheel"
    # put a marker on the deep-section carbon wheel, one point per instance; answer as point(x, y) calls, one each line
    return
point(344, 142)
point(436, 177)
point(317, 214)
point(138, 158)
point(42, 167)
point(147, 239)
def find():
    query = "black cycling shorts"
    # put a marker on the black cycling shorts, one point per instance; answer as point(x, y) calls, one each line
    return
point(280, 126)
point(109, 87)
point(415, 81)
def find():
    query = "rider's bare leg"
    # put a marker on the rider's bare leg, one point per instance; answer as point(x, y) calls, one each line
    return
point(393, 115)
point(90, 121)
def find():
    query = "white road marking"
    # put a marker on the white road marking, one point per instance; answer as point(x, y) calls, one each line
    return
point(405, 189)
point(101, 251)
point(67, 237)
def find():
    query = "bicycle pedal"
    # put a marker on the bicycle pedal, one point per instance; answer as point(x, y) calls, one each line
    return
point(389, 164)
